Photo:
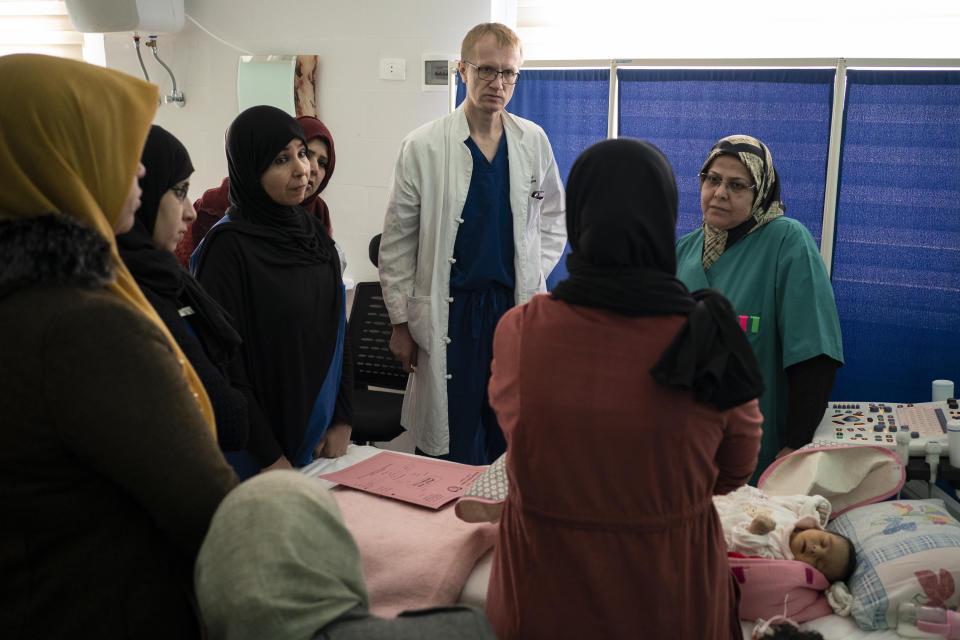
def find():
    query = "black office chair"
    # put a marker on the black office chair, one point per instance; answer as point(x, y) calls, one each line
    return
point(376, 413)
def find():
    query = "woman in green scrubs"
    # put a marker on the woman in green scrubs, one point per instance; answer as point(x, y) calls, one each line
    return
point(770, 269)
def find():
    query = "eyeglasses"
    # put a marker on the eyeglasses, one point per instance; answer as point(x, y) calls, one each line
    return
point(490, 74)
point(713, 181)
point(180, 191)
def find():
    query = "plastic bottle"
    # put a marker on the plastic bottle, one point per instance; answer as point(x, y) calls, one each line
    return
point(915, 621)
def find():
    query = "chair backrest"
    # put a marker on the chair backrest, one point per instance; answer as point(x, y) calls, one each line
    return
point(369, 333)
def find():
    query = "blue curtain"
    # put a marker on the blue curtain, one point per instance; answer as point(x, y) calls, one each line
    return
point(571, 106)
point(896, 268)
point(684, 112)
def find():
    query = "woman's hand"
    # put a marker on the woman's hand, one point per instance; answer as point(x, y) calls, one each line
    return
point(334, 442)
point(280, 463)
point(784, 452)
point(403, 347)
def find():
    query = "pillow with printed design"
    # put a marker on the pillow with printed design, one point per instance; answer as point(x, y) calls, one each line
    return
point(907, 551)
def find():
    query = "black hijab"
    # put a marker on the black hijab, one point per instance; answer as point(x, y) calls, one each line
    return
point(292, 237)
point(621, 225)
point(288, 251)
point(156, 270)
point(621, 219)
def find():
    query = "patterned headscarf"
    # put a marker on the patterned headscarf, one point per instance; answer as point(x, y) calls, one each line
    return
point(71, 135)
point(766, 202)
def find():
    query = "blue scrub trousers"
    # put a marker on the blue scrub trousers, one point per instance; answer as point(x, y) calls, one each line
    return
point(475, 434)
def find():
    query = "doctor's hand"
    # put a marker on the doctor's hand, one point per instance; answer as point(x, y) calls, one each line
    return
point(784, 452)
point(334, 442)
point(403, 347)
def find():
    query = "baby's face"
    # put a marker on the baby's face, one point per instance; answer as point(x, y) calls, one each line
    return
point(822, 550)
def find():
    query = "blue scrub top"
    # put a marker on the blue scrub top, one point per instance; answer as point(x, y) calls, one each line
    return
point(484, 249)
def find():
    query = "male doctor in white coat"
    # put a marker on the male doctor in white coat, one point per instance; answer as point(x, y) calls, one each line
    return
point(474, 225)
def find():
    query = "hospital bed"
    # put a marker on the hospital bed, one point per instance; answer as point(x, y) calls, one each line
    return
point(413, 557)
point(468, 583)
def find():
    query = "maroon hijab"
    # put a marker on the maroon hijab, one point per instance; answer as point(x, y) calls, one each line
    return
point(313, 203)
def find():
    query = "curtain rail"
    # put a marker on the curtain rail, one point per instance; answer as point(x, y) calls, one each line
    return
point(719, 63)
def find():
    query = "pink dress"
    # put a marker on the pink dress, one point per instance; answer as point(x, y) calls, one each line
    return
point(609, 529)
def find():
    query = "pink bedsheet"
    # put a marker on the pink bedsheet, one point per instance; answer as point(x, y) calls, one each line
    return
point(412, 557)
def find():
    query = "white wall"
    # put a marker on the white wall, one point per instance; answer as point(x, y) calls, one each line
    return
point(367, 116)
point(574, 29)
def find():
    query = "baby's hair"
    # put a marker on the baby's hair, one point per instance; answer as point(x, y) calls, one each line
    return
point(851, 565)
point(785, 631)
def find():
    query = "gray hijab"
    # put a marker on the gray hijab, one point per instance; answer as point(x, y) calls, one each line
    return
point(277, 562)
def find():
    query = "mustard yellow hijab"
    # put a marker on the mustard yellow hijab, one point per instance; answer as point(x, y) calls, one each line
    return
point(71, 135)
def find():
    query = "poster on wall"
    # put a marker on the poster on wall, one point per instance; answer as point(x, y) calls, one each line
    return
point(306, 90)
point(286, 82)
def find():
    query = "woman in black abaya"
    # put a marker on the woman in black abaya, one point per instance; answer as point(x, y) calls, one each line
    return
point(275, 270)
point(194, 319)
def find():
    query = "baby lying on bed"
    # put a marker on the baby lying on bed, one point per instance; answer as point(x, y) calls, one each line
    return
point(785, 528)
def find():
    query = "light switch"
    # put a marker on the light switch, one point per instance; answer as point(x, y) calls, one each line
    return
point(393, 69)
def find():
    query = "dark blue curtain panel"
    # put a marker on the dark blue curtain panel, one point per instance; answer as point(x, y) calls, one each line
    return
point(684, 112)
point(896, 266)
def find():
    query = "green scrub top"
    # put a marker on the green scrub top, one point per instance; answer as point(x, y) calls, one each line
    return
point(777, 284)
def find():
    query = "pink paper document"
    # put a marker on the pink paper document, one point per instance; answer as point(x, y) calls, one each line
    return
point(422, 481)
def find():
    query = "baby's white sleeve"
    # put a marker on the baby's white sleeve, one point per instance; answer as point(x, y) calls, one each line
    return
point(751, 544)
point(737, 510)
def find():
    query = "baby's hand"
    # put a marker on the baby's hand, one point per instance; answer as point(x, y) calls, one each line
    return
point(762, 525)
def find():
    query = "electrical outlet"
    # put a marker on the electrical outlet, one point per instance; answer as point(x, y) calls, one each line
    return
point(393, 69)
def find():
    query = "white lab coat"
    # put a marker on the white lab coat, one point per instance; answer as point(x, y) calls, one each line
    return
point(430, 184)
